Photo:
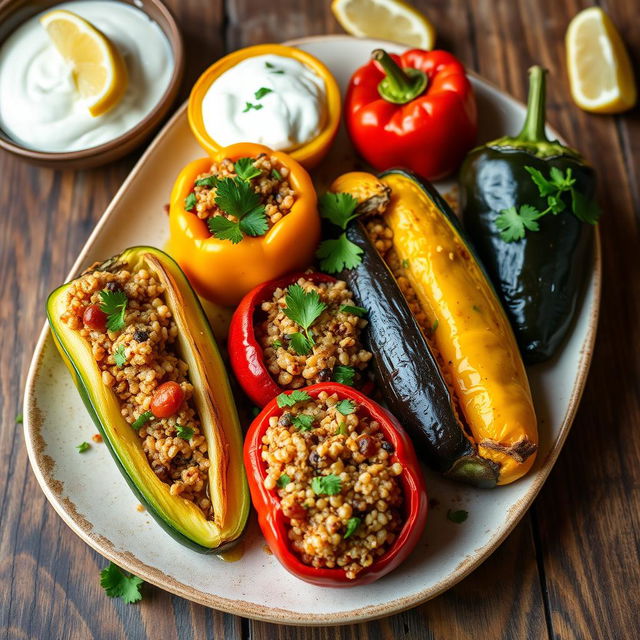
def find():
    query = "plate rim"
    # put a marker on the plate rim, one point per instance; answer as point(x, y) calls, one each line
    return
point(42, 464)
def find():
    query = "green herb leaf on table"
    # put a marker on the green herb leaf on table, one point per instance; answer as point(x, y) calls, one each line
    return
point(338, 208)
point(190, 201)
point(303, 422)
point(209, 181)
point(512, 222)
point(245, 169)
point(119, 356)
point(283, 480)
point(300, 343)
point(344, 375)
point(114, 304)
point(338, 254)
point(345, 407)
point(141, 420)
point(356, 311)
point(248, 106)
point(290, 399)
point(329, 485)
point(19, 419)
point(82, 447)
point(352, 525)
point(119, 584)
point(457, 516)
point(304, 308)
point(186, 433)
point(262, 92)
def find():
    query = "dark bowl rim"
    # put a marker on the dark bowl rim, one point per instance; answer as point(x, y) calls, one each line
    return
point(174, 36)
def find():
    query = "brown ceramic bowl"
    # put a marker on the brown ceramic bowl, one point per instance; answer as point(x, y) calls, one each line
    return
point(15, 12)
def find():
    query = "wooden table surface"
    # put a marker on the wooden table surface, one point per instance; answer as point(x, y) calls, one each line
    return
point(571, 569)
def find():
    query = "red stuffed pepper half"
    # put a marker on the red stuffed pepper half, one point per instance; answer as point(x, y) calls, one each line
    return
point(336, 484)
point(299, 330)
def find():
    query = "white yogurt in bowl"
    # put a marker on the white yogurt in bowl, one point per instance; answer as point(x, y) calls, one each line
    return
point(40, 107)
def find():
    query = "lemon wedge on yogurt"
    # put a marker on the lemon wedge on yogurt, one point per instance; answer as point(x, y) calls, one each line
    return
point(98, 69)
point(386, 19)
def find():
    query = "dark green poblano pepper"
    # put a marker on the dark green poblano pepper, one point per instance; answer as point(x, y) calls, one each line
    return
point(528, 205)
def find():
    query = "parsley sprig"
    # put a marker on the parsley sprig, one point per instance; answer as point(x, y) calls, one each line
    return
point(141, 420)
point(513, 223)
point(114, 304)
point(329, 485)
point(352, 525)
point(303, 422)
point(304, 308)
point(119, 356)
point(119, 584)
point(290, 399)
point(338, 253)
point(186, 433)
point(344, 375)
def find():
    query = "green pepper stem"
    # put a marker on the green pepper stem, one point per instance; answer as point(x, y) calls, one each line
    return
point(399, 85)
point(533, 129)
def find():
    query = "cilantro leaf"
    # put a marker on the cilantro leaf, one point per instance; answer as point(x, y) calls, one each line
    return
point(300, 343)
point(19, 419)
point(304, 308)
point(289, 399)
point(248, 106)
point(225, 229)
point(272, 68)
point(512, 222)
point(114, 304)
point(262, 92)
point(283, 481)
point(255, 222)
point(82, 447)
point(584, 209)
point(457, 516)
point(555, 203)
point(119, 356)
point(562, 181)
point(544, 186)
point(119, 584)
point(338, 254)
point(209, 181)
point(275, 174)
point(352, 525)
point(190, 201)
point(276, 344)
point(303, 422)
point(344, 375)
point(245, 169)
point(356, 311)
point(338, 208)
point(236, 197)
point(345, 407)
point(141, 420)
point(342, 429)
point(186, 433)
point(329, 485)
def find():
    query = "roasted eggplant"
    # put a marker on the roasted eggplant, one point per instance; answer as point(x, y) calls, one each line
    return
point(212, 397)
point(444, 353)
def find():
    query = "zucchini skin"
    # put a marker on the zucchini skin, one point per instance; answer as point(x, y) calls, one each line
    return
point(407, 372)
point(103, 421)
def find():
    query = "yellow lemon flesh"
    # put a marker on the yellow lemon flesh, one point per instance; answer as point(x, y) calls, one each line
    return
point(600, 71)
point(99, 71)
point(385, 19)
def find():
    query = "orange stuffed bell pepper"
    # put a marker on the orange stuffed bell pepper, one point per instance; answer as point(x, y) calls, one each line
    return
point(247, 215)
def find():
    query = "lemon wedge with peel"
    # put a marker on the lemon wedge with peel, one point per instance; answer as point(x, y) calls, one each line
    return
point(600, 71)
point(99, 71)
point(385, 19)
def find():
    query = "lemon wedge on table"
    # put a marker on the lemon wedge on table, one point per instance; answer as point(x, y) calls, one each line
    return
point(600, 71)
point(385, 19)
point(99, 71)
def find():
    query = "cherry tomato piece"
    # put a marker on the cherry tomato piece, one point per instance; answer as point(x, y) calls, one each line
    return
point(166, 400)
point(95, 318)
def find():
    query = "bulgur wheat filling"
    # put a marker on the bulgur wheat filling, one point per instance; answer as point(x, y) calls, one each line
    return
point(267, 177)
point(335, 345)
point(135, 360)
point(333, 472)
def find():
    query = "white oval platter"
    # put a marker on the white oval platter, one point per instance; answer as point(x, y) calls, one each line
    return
point(94, 500)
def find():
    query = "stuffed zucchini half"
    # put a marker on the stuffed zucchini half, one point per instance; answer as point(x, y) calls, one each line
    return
point(141, 352)
point(444, 353)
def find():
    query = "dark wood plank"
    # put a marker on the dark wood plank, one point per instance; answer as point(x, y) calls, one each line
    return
point(50, 579)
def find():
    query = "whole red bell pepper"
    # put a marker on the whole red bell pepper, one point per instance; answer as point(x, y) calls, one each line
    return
point(275, 525)
point(245, 352)
point(416, 110)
